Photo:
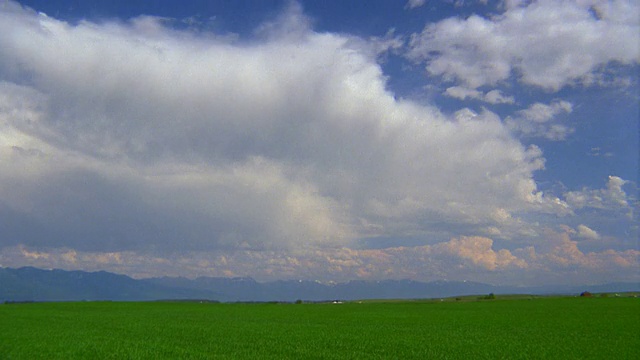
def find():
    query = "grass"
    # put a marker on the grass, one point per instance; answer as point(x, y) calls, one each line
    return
point(519, 328)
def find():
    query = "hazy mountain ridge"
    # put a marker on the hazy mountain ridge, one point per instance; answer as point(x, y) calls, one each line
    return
point(32, 284)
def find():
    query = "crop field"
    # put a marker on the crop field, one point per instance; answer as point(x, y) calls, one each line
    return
point(541, 328)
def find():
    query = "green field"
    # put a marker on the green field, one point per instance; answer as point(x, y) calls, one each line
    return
point(541, 328)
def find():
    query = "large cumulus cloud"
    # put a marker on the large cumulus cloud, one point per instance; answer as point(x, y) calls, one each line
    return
point(133, 135)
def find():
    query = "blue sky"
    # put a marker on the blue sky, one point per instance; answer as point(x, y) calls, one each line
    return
point(493, 141)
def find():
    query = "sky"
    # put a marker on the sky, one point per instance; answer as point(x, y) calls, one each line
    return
point(491, 141)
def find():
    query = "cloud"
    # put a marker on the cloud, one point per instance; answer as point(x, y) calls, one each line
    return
point(547, 44)
point(412, 4)
point(463, 93)
point(139, 137)
point(291, 24)
point(597, 151)
point(390, 42)
point(554, 258)
point(541, 113)
point(558, 251)
point(540, 120)
point(587, 233)
point(479, 250)
point(492, 97)
point(497, 97)
point(453, 258)
point(612, 198)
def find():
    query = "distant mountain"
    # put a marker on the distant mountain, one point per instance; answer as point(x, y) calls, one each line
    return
point(31, 284)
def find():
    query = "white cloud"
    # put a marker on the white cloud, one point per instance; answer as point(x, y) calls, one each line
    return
point(613, 197)
point(497, 97)
point(587, 233)
point(390, 42)
point(479, 250)
point(541, 113)
point(539, 120)
point(492, 97)
point(412, 4)
point(463, 93)
point(292, 24)
point(558, 252)
point(544, 43)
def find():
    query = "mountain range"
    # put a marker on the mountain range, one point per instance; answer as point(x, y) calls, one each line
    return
point(32, 284)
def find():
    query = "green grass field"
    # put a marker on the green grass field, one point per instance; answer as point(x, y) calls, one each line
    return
point(542, 328)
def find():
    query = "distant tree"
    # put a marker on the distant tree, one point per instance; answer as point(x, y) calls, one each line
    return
point(298, 301)
point(491, 296)
point(585, 294)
